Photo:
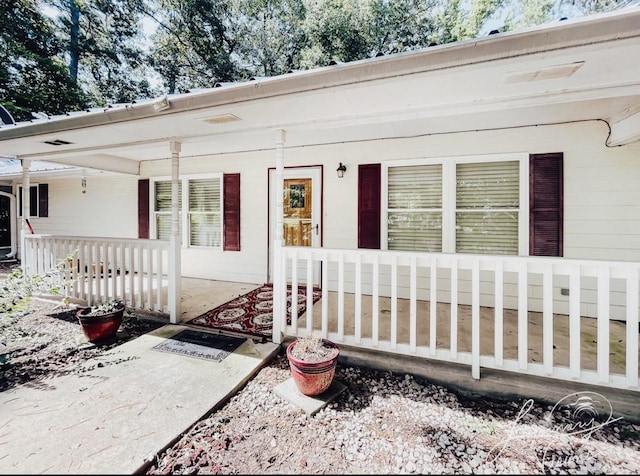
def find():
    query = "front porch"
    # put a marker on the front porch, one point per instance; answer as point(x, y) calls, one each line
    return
point(200, 295)
point(571, 321)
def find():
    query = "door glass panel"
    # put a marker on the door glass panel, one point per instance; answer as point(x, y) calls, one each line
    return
point(297, 212)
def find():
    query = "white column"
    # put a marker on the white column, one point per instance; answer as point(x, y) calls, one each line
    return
point(175, 249)
point(26, 206)
point(279, 281)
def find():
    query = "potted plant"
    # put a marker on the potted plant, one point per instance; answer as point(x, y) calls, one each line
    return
point(313, 363)
point(101, 321)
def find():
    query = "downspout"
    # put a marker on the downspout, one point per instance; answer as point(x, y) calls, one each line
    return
point(175, 267)
point(26, 208)
point(279, 281)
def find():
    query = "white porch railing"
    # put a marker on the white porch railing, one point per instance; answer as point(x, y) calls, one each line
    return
point(438, 306)
point(104, 268)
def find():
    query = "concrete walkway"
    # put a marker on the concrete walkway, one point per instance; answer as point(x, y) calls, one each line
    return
point(120, 409)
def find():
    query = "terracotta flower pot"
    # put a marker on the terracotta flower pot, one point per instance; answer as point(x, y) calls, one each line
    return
point(313, 376)
point(100, 327)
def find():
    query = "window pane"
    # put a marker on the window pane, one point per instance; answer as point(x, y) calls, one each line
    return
point(415, 231)
point(163, 226)
point(415, 187)
point(205, 223)
point(487, 201)
point(163, 196)
point(487, 185)
point(33, 201)
point(205, 229)
point(415, 208)
point(204, 195)
point(487, 232)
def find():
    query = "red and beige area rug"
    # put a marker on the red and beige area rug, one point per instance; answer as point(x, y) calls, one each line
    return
point(251, 313)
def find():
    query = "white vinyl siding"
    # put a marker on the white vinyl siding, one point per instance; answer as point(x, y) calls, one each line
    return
point(200, 210)
point(457, 205)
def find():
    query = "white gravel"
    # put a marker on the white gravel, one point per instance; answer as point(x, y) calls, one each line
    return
point(396, 424)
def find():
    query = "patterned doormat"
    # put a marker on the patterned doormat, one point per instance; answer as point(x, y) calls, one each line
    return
point(201, 345)
point(251, 313)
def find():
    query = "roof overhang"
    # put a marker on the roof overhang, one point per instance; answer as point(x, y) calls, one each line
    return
point(567, 71)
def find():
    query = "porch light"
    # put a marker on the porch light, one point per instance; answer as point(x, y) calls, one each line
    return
point(341, 170)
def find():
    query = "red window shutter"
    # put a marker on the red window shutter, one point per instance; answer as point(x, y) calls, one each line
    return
point(369, 195)
point(545, 204)
point(143, 208)
point(231, 224)
point(43, 200)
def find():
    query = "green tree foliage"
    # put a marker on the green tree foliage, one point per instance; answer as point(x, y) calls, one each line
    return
point(102, 40)
point(33, 76)
point(270, 35)
point(94, 52)
point(526, 13)
point(193, 44)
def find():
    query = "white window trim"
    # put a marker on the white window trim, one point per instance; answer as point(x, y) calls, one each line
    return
point(449, 195)
point(184, 213)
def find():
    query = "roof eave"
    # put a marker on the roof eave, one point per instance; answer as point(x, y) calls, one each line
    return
point(581, 32)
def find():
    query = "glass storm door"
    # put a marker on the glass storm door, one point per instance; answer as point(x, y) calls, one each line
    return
point(301, 214)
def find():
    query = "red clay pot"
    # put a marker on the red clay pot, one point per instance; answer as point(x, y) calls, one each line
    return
point(97, 328)
point(313, 378)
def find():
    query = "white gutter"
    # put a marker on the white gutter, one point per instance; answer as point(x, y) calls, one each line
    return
point(584, 31)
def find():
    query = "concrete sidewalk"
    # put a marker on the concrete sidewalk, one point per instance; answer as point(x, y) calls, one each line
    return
point(121, 409)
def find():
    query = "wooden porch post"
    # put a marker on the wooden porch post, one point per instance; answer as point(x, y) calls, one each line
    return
point(26, 207)
point(175, 268)
point(279, 282)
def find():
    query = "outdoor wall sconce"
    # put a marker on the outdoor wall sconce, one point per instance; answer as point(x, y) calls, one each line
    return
point(341, 170)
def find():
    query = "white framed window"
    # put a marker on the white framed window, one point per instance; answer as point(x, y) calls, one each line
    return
point(465, 204)
point(199, 210)
point(34, 201)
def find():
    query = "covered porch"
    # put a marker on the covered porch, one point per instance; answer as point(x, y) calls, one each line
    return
point(565, 319)
point(564, 89)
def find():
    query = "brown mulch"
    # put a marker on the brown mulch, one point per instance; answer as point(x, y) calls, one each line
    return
point(46, 340)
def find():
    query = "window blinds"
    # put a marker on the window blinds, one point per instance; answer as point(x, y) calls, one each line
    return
point(414, 212)
point(487, 201)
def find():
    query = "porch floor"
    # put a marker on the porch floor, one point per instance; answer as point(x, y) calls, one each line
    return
point(200, 295)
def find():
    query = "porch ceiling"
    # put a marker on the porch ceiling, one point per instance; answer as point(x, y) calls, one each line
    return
point(570, 71)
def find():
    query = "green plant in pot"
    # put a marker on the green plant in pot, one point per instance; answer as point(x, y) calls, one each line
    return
point(313, 363)
point(101, 321)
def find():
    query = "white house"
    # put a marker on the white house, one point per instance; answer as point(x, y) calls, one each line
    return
point(500, 173)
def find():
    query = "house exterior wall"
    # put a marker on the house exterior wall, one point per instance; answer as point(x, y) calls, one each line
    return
point(601, 196)
point(601, 187)
point(108, 208)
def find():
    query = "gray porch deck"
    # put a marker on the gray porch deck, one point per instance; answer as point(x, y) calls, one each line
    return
point(200, 295)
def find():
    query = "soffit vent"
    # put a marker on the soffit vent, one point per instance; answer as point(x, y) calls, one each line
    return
point(57, 142)
point(552, 72)
point(221, 119)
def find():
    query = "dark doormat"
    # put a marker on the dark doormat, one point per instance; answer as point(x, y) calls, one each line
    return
point(201, 345)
